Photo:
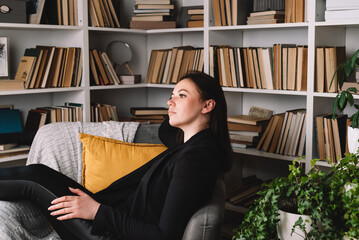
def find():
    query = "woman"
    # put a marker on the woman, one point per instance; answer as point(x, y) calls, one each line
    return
point(155, 201)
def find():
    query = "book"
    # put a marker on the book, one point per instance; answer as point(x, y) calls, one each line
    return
point(25, 68)
point(7, 146)
point(10, 121)
point(35, 119)
point(245, 127)
point(8, 85)
point(15, 149)
point(149, 110)
point(247, 119)
point(264, 13)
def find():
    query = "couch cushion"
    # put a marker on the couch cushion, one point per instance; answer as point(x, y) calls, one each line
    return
point(105, 160)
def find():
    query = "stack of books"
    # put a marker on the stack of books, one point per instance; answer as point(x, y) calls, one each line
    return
point(13, 149)
point(244, 192)
point(50, 66)
point(104, 13)
point(168, 65)
point(341, 10)
point(331, 136)
point(281, 67)
point(327, 60)
point(266, 17)
point(153, 14)
point(246, 130)
point(195, 17)
point(285, 134)
point(149, 114)
point(102, 70)
point(103, 112)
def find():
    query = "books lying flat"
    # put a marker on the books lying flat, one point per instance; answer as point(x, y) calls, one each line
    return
point(8, 85)
point(15, 149)
point(146, 25)
point(7, 146)
point(149, 111)
point(245, 127)
point(246, 119)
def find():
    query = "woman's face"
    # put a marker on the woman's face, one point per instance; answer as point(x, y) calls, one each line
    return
point(186, 105)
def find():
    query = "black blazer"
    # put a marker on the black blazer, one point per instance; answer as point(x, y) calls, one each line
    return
point(157, 200)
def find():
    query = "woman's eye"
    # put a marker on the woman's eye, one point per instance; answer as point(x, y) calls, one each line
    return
point(182, 96)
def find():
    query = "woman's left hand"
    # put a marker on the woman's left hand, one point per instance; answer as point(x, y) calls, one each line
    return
point(69, 207)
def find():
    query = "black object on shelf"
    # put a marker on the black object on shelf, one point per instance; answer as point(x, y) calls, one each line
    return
point(13, 11)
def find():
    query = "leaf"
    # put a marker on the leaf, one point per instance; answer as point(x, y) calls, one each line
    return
point(340, 80)
point(352, 89)
point(354, 58)
point(348, 68)
point(335, 105)
point(350, 98)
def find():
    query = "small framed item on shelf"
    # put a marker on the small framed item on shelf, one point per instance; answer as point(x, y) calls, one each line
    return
point(13, 11)
point(4, 57)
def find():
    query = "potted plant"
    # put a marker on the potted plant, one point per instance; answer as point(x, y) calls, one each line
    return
point(345, 97)
point(344, 194)
point(298, 193)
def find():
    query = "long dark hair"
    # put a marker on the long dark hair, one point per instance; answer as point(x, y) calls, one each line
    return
point(209, 88)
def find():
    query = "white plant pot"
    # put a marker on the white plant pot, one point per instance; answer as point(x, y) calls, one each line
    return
point(353, 137)
point(287, 221)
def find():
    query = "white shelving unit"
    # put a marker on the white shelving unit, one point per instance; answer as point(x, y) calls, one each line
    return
point(314, 32)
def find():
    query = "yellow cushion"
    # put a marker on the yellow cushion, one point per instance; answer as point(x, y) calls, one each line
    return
point(105, 160)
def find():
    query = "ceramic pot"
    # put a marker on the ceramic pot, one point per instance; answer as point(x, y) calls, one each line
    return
point(286, 222)
point(353, 137)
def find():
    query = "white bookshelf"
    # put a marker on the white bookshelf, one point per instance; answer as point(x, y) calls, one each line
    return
point(314, 32)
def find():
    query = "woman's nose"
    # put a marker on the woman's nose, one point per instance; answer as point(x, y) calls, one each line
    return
point(170, 103)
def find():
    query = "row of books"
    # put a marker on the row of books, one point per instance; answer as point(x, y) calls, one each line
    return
point(231, 12)
point(148, 114)
point(331, 136)
point(285, 134)
point(168, 65)
point(104, 13)
point(283, 67)
point(59, 12)
point(339, 10)
point(103, 112)
point(153, 15)
point(50, 66)
point(244, 192)
point(102, 70)
point(327, 61)
point(70, 112)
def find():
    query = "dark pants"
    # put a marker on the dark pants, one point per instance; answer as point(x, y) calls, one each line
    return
point(41, 185)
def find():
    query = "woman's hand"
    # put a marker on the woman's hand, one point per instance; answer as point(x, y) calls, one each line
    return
point(80, 206)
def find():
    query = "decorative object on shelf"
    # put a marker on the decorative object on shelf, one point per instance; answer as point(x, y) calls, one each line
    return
point(227, 13)
point(305, 194)
point(191, 16)
point(4, 57)
point(120, 53)
point(153, 15)
point(13, 11)
point(345, 97)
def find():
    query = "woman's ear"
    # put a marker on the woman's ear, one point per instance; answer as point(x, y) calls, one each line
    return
point(209, 106)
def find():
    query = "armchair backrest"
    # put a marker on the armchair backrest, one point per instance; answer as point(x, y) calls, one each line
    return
point(205, 224)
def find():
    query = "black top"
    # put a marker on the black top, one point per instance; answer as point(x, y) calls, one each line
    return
point(157, 200)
